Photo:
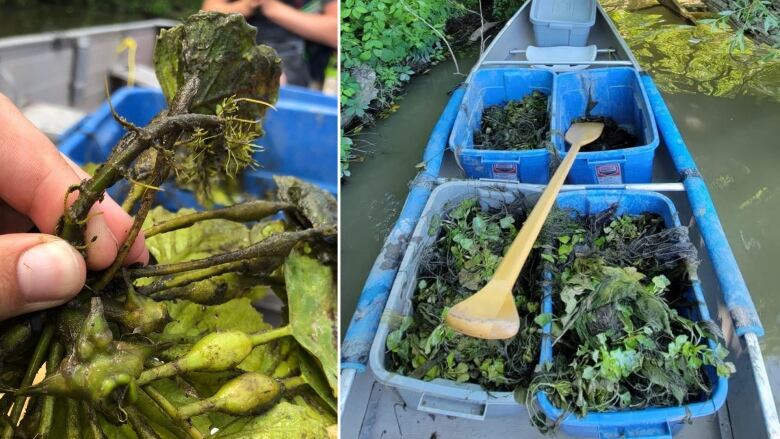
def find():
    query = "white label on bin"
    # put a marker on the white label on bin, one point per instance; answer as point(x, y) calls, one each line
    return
point(505, 171)
point(609, 173)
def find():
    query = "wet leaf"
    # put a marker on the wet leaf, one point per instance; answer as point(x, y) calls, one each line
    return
point(244, 69)
point(311, 292)
point(312, 374)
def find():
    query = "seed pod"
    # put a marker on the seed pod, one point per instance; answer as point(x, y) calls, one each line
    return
point(216, 352)
point(242, 396)
point(139, 314)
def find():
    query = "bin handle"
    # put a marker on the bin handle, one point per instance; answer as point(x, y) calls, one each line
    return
point(452, 407)
point(664, 432)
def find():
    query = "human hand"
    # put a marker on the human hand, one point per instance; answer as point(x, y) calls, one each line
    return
point(39, 270)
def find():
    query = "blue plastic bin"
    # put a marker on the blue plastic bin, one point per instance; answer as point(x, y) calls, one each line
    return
point(492, 87)
point(620, 95)
point(659, 422)
point(300, 139)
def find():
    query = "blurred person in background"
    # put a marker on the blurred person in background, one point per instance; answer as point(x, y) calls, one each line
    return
point(304, 33)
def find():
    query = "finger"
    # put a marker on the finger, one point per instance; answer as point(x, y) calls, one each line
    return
point(119, 222)
point(34, 178)
point(37, 271)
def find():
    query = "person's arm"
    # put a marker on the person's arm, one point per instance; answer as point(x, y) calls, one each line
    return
point(243, 7)
point(321, 28)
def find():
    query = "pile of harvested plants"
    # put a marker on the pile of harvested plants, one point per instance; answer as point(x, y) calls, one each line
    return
point(624, 330)
point(517, 125)
point(176, 349)
point(469, 246)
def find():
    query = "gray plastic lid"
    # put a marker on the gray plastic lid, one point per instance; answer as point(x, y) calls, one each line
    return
point(564, 12)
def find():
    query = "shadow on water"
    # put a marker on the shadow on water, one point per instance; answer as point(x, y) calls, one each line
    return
point(374, 195)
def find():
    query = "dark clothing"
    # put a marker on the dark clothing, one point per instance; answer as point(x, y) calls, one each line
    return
point(290, 47)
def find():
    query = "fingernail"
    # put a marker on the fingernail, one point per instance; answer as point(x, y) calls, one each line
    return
point(50, 271)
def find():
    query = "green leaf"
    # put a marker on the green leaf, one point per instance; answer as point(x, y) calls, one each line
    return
point(220, 51)
point(543, 319)
point(311, 292)
point(312, 374)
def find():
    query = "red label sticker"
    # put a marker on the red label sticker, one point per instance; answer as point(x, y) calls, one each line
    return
point(505, 171)
point(609, 173)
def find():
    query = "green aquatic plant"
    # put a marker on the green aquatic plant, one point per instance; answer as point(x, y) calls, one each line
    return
point(517, 125)
point(176, 349)
point(698, 59)
point(469, 245)
point(624, 334)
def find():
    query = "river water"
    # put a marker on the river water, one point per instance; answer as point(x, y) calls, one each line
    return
point(727, 106)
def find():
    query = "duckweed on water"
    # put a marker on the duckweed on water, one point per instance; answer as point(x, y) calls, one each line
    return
point(623, 332)
point(467, 251)
point(517, 125)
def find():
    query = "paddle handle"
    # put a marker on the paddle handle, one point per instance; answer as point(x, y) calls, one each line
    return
point(518, 252)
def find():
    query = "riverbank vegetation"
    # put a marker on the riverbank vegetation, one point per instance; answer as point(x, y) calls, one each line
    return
point(384, 43)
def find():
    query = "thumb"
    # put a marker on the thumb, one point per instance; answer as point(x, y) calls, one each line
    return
point(37, 271)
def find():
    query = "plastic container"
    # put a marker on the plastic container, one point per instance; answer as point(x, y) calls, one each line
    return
point(659, 422)
point(440, 396)
point(491, 87)
point(562, 22)
point(300, 139)
point(620, 95)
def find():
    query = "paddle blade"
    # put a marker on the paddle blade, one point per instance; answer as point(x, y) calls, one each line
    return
point(470, 317)
point(584, 132)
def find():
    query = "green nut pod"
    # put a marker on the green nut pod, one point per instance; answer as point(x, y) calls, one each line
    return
point(216, 352)
point(245, 395)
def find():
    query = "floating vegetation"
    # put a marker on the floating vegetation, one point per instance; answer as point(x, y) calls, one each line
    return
point(515, 126)
point(698, 59)
point(624, 330)
point(469, 246)
point(176, 349)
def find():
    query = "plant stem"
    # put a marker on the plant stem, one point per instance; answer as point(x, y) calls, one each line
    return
point(47, 410)
point(256, 267)
point(160, 173)
point(91, 417)
point(274, 245)
point(196, 408)
point(140, 427)
point(172, 412)
point(73, 423)
point(32, 368)
point(293, 382)
point(72, 223)
point(136, 191)
point(250, 211)
point(273, 334)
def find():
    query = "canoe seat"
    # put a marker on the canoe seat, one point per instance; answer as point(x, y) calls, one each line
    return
point(562, 53)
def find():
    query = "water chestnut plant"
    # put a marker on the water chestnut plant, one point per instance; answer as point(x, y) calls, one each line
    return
point(176, 349)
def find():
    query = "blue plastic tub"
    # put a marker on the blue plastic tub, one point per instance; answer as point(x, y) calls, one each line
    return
point(494, 87)
point(620, 95)
point(659, 422)
point(300, 139)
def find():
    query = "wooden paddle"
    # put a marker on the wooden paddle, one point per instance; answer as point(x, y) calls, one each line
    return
point(490, 313)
